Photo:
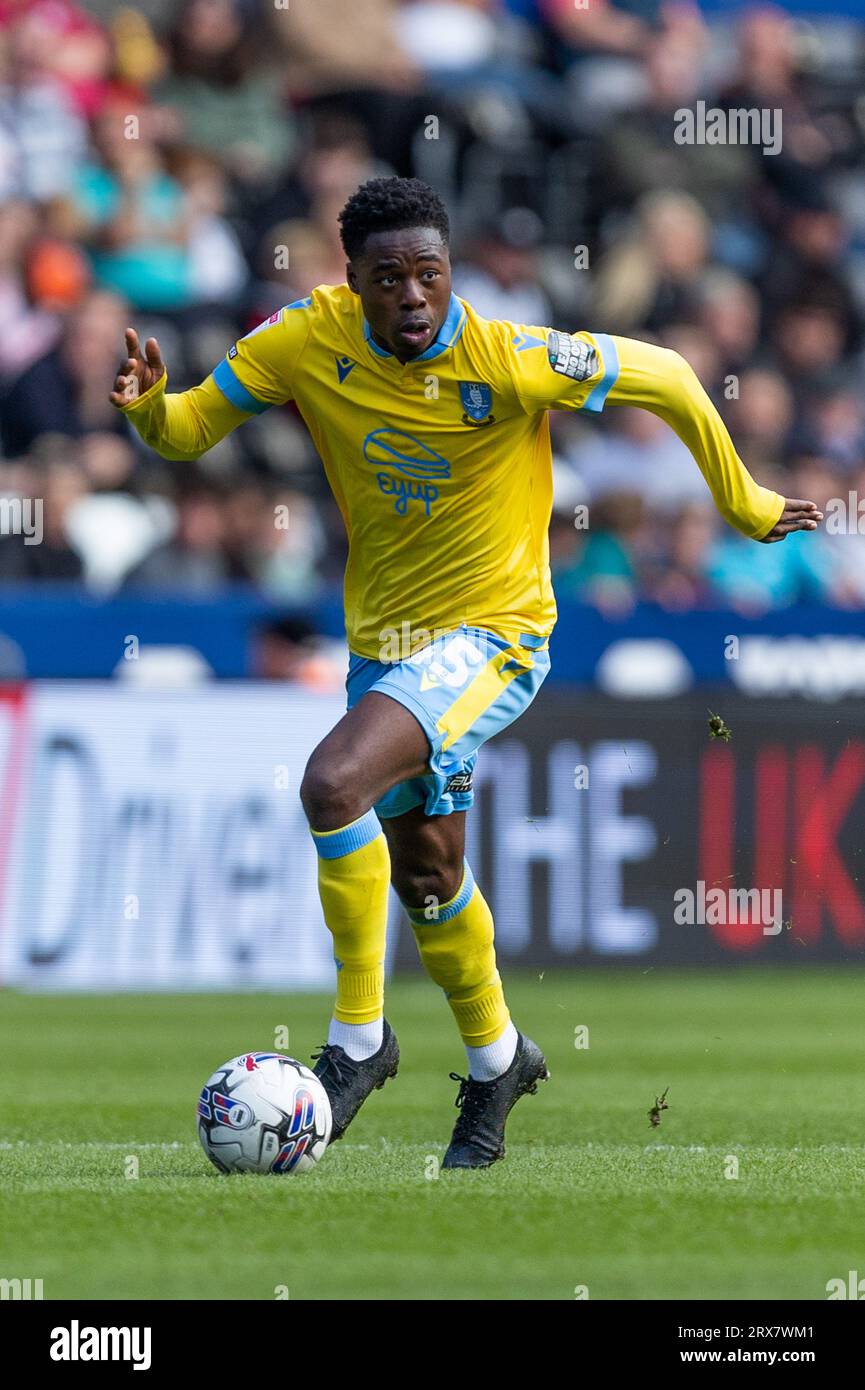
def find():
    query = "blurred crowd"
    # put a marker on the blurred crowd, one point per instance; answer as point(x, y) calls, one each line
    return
point(180, 166)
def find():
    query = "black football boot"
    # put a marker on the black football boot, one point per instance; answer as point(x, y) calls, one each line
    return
point(348, 1083)
point(479, 1133)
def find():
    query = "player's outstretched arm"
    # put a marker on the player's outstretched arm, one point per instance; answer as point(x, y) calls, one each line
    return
point(662, 381)
point(179, 427)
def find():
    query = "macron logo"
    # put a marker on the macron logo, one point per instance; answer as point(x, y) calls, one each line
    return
point(344, 365)
point(76, 1343)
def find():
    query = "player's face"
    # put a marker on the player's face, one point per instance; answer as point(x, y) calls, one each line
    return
point(404, 282)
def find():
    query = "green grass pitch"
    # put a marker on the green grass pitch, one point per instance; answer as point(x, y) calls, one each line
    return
point(764, 1068)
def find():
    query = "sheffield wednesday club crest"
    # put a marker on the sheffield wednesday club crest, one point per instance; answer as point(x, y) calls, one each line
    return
point(477, 400)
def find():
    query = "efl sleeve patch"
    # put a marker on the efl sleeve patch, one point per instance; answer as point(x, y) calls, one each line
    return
point(571, 357)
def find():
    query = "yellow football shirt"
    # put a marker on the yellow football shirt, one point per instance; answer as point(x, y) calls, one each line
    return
point(441, 467)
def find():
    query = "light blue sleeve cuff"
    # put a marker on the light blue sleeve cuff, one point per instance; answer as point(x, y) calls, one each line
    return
point(595, 399)
point(235, 392)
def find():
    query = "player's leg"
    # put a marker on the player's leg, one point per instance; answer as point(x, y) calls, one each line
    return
point(377, 743)
point(410, 738)
point(453, 926)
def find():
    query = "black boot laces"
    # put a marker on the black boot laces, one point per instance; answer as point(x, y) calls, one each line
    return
point(471, 1101)
point(338, 1069)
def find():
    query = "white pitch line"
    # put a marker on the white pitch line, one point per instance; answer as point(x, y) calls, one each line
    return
point(93, 1144)
point(384, 1146)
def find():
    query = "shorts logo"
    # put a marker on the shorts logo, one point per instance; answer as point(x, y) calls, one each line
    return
point(232, 351)
point(419, 465)
point(571, 356)
point(460, 782)
point(477, 400)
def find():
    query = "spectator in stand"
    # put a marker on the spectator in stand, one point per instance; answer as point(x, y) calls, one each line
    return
point(289, 649)
point(246, 510)
point(605, 572)
point(769, 75)
point(652, 275)
point(638, 453)
point(835, 429)
point(809, 339)
point(302, 249)
point(761, 417)
point(131, 214)
point(61, 483)
point(602, 47)
point(289, 554)
point(194, 560)
point(226, 97)
point(729, 311)
point(474, 55)
point(604, 27)
point(753, 579)
point(348, 59)
point(499, 276)
point(295, 256)
point(43, 135)
point(682, 582)
point(337, 156)
point(218, 273)
point(638, 154)
point(63, 392)
point(28, 330)
point(63, 41)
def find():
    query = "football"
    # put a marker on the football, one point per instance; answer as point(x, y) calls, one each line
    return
point(263, 1113)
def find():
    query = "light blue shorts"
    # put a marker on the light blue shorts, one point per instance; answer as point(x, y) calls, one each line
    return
point(463, 687)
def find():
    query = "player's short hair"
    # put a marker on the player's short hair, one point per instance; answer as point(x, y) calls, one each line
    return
point(389, 205)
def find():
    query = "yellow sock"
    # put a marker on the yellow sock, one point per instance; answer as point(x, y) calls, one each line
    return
point(456, 947)
point(353, 879)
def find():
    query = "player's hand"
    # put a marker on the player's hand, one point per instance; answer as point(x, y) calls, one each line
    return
point(139, 372)
point(796, 516)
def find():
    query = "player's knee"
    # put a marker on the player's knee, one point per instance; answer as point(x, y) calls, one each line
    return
point(329, 792)
point(419, 885)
